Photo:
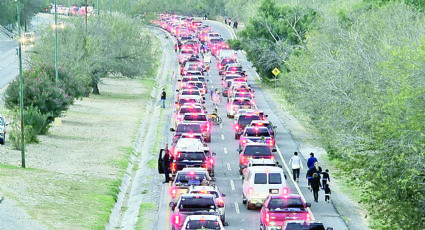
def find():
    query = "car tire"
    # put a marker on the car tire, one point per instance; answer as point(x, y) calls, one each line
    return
point(243, 199)
point(223, 219)
point(249, 206)
point(2, 141)
point(236, 136)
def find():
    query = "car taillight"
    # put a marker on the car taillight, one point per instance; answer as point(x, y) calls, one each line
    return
point(237, 127)
point(244, 141)
point(250, 191)
point(173, 167)
point(207, 127)
point(176, 221)
point(244, 160)
point(211, 161)
point(220, 202)
point(271, 142)
point(267, 217)
point(174, 192)
point(308, 217)
point(206, 165)
point(285, 191)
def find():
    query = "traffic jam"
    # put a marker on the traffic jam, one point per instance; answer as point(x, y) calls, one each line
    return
point(196, 201)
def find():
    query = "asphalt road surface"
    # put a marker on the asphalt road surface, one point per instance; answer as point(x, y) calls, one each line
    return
point(227, 160)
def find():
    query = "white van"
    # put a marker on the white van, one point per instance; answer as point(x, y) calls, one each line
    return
point(228, 54)
point(259, 182)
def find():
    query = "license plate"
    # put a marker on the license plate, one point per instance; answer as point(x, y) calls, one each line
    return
point(274, 191)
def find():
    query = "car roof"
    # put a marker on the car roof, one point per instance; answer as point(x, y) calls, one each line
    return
point(197, 195)
point(292, 195)
point(261, 169)
point(202, 187)
point(201, 217)
point(255, 144)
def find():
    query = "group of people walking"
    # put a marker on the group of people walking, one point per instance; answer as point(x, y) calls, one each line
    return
point(228, 21)
point(317, 178)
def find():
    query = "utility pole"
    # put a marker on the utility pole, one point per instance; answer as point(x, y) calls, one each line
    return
point(98, 11)
point(110, 6)
point(86, 16)
point(21, 87)
point(56, 45)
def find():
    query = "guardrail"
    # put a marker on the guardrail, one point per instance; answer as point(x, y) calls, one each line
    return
point(11, 35)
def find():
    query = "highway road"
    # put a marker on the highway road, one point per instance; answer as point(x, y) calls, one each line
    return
point(227, 159)
point(8, 60)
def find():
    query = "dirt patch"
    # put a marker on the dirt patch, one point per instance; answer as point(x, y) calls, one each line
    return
point(75, 170)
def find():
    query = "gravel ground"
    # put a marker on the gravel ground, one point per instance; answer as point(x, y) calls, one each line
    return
point(74, 170)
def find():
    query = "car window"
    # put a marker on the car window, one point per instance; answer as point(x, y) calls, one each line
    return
point(261, 132)
point(206, 203)
point(257, 151)
point(202, 224)
point(186, 128)
point(282, 203)
point(186, 178)
point(187, 100)
point(191, 92)
point(241, 102)
point(191, 117)
point(246, 119)
point(189, 110)
point(191, 156)
point(260, 178)
point(275, 178)
point(300, 226)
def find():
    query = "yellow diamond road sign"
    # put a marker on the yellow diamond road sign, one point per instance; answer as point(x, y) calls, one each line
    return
point(275, 72)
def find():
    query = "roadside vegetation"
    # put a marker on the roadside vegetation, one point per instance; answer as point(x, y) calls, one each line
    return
point(105, 76)
point(356, 71)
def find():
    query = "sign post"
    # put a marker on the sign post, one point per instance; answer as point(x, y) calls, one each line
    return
point(275, 72)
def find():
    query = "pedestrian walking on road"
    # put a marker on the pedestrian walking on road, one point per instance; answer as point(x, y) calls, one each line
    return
point(296, 165)
point(236, 24)
point(325, 178)
point(230, 21)
point(311, 161)
point(166, 164)
point(163, 97)
point(327, 193)
point(315, 169)
point(225, 20)
point(315, 186)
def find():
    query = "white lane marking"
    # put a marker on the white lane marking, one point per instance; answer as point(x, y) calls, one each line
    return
point(212, 87)
point(221, 126)
point(237, 208)
point(225, 150)
point(292, 178)
point(232, 184)
point(222, 137)
point(228, 166)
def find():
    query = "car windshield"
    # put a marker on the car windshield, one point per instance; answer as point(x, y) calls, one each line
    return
point(191, 156)
point(206, 192)
point(190, 110)
point(245, 95)
point(202, 79)
point(187, 128)
point(203, 224)
point(198, 203)
point(187, 51)
point(257, 132)
point(241, 102)
point(194, 179)
point(186, 79)
point(246, 119)
point(187, 100)
point(300, 226)
point(200, 117)
point(263, 150)
point(284, 203)
point(191, 92)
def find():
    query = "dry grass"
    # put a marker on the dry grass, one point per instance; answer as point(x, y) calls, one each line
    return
point(75, 170)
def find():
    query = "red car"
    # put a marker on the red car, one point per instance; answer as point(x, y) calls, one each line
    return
point(277, 209)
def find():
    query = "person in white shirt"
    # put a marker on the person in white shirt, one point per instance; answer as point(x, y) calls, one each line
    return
point(296, 165)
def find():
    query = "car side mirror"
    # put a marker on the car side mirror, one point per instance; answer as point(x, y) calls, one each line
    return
point(329, 228)
point(308, 204)
point(213, 179)
point(203, 102)
point(221, 205)
point(226, 223)
point(214, 154)
point(280, 166)
point(179, 80)
point(177, 90)
point(275, 127)
point(274, 150)
point(249, 85)
point(223, 195)
point(172, 130)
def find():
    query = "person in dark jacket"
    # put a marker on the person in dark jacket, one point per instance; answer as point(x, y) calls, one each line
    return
point(166, 164)
point(315, 186)
point(311, 161)
point(315, 169)
point(163, 97)
point(327, 193)
point(325, 178)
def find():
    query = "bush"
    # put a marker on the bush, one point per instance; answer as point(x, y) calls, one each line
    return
point(34, 124)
